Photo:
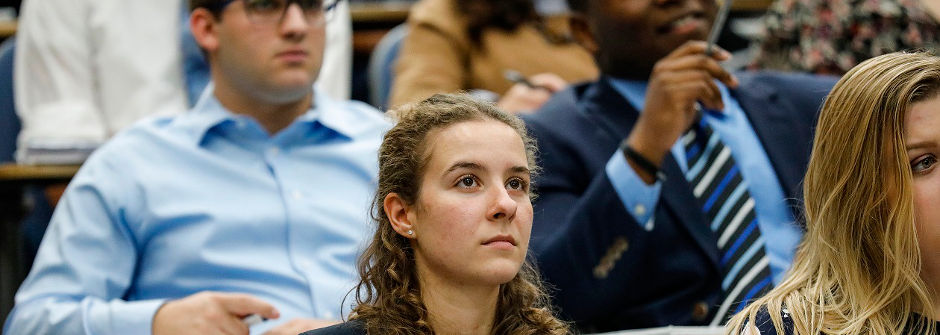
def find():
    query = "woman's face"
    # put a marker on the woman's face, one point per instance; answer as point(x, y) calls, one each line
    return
point(473, 215)
point(922, 135)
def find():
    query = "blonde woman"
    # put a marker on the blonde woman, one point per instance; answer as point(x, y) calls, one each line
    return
point(870, 260)
point(454, 214)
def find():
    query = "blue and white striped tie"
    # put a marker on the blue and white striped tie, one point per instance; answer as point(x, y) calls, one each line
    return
point(722, 193)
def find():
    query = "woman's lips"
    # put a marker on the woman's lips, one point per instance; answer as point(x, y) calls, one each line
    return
point(501, 242)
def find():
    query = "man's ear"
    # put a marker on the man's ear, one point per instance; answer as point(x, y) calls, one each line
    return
point(399, 215)
point(203, 25)
point(582, 32)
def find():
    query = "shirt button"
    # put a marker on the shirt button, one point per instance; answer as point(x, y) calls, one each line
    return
point(328, 315)
point(639, 210)
point(274, 151)
point(297, 195)
point(700, 311)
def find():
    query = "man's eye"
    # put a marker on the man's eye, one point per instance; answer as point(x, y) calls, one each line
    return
point(265, 5)
point(924, 164)
point(311, 4)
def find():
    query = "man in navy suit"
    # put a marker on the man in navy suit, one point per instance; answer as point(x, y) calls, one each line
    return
point(671, 187)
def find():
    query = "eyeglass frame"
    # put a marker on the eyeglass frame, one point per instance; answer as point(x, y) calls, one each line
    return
point(217, 8)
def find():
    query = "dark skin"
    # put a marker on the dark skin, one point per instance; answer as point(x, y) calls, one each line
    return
point(662, 42)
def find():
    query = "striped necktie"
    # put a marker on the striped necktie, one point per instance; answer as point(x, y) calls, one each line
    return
point(727, 204)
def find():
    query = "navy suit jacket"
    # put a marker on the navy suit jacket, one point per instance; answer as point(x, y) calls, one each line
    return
point(608, 272)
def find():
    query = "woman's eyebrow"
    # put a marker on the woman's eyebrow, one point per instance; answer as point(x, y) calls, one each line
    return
point(465, 165)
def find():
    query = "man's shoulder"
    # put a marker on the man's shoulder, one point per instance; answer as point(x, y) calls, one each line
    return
point(786, 81)
point(562, 105)
point(367, 121)
point(141, 135)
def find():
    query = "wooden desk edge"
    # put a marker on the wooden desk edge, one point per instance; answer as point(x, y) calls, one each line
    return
point(379, 12)
point(7, 28)
point(15, 172)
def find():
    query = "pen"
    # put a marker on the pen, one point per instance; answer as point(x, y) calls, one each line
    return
point(253, 319)
point(516, 77)
point(717, 25)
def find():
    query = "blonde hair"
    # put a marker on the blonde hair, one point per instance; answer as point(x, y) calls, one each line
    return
point(388, 295)
point(857, 270)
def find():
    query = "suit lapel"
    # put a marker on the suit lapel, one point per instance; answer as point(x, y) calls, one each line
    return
point(608, 109)
point(775, 123)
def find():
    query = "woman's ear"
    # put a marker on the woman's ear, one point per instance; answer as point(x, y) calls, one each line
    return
point(399, 215)
point(202, 23)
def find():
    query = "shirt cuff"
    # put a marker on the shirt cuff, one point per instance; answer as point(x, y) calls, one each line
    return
point(638, 198)
point(124, 317)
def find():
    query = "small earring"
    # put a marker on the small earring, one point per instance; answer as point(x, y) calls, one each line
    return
point(411, 232)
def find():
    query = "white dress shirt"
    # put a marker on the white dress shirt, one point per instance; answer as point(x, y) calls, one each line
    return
point(85, 69)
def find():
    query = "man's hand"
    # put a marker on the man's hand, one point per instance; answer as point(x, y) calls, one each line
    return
point(209, 313)
point(521, 98)
point(297, 326)
point(679, 81)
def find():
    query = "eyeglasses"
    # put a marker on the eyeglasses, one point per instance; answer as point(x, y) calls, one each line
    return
point(269, 12)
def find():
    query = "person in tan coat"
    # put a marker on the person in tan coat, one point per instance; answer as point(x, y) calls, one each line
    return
point(473, 45)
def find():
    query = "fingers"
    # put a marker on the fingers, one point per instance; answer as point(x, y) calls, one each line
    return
point(230, 325)
point(688, 86)
point(297, 326)
point(550, 81)
point(243, 304)
point(699, 47)
point(703, 63)
point(691, 55)
point(521, 98)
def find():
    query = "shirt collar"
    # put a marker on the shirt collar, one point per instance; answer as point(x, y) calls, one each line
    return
point(209, 113)
point(635, 93)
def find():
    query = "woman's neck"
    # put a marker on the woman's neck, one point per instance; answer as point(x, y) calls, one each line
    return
point(458, 308)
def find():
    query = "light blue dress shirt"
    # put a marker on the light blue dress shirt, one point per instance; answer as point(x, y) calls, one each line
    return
point(773, 216)
point(208, 200)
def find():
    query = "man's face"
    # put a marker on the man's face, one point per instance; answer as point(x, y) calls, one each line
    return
point(275, 60)
point(631, 35)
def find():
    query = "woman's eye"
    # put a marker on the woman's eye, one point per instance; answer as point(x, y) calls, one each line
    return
point(516, 184)
point(467, 181)
point(923, 164)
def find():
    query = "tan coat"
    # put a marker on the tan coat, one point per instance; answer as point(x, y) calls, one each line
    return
point(437, 55)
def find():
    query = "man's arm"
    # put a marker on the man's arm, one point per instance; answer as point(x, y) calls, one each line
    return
point(54, 74)
point(85, 263)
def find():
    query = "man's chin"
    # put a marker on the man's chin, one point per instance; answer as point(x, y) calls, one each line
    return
point(290, 93)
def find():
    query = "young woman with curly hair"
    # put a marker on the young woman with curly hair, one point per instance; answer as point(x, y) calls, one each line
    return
point(454, 213)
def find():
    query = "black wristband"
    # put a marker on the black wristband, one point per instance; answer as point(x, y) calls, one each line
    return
point(641, 161)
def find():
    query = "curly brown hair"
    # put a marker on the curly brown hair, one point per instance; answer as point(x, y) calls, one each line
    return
point(388, 295)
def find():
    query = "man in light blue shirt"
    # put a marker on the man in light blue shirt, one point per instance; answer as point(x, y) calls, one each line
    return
point(255, 202)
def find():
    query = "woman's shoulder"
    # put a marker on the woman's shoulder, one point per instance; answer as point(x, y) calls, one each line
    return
point(353, 327)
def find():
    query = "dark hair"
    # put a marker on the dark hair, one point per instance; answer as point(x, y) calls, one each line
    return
point(388, 296)
point(501, 14)
point(213, 6)
point(579, 6)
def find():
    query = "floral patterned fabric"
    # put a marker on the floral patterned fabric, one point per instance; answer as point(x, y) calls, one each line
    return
point(832, 36)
